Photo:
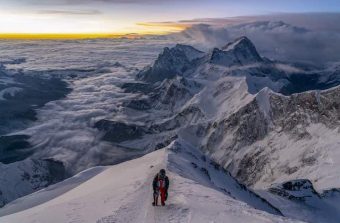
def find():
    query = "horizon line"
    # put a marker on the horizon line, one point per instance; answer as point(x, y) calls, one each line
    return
point(47, 36)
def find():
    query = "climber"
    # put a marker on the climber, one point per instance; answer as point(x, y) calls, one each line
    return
point(160, 187)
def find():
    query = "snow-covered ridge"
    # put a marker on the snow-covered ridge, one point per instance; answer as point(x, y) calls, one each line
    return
point(123, 193)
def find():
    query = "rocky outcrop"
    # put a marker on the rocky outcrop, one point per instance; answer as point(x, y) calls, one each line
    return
point(118, 131)
point(297, 190)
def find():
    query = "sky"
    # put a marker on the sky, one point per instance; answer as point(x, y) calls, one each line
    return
point(122, 17)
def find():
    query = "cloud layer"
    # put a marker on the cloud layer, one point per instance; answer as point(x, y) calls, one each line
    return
point(94, 69)
point(82, 2)
point(276, 39)
point(69, 12)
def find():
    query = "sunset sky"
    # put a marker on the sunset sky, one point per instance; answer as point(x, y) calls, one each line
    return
point(121, 17)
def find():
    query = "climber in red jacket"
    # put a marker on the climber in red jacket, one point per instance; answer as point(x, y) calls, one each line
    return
point(160, 187)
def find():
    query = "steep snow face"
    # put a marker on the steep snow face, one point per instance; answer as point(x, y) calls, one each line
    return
point(298, 199)
point(172, 94)
point(191, 163)
point(238, 53)
point(123, 193)
point(256, 143)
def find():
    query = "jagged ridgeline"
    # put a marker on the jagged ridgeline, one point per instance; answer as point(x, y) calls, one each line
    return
point(247, 111)
point(267, 122)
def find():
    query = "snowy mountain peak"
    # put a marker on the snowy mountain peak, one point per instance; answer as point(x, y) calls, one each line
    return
point(242, 41)
point(190, 52)
point(185, 52)
point(237, 53)
point(171, 62)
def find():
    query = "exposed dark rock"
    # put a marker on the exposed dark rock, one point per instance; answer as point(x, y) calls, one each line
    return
point(14, 148)
point(118, 131)
point(138, 104)
point(297, 190)
point(137, 87)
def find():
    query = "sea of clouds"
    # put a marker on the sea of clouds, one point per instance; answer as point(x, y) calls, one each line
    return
point(94, 70)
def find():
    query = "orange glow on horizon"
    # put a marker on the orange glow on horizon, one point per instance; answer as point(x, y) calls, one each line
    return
point(140, 30)
point(168, 26)
point(65, 36)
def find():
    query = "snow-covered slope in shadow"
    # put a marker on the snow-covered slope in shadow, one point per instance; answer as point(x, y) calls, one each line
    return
point(299, 200)
point(190, 163)
point(50, 192)
point(123, 193)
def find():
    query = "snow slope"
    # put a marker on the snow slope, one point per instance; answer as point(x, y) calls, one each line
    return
point(299, 200)
point(22, 178)
point(123, 193)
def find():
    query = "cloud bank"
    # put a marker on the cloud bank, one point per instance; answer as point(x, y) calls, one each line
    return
point(69, 12)
point(83, 2)
point(94, 70)
point(309, 42)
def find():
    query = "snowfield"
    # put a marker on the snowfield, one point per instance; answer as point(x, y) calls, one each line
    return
point(123, 193)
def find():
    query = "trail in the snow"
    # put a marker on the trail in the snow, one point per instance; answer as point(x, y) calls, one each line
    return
point(137, 207)
point(123, 194)
point(132, 209)
point(173, 212)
